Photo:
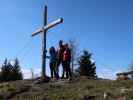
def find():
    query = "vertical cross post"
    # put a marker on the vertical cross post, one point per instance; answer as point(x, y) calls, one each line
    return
point(44, 43)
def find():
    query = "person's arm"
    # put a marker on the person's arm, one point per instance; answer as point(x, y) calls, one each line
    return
point(57, 53)
point(70, 54)
point(48, 57)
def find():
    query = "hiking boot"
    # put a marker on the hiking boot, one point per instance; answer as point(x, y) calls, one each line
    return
point(70, 79)
point(62, 78)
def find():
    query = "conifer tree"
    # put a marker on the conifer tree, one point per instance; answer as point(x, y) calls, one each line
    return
point(2, 72)
point(10, 72)
point(87, 67)
point(6, 71)
point(16, 71)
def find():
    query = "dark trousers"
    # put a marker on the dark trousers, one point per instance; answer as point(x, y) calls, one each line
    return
point(53, 69)
point(61, 62)
point(67, 69)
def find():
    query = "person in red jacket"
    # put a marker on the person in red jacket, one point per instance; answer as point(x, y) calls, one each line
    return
point(67, 61)
point(60, 52)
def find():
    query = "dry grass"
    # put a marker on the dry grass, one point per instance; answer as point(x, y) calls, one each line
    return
point(80, 89)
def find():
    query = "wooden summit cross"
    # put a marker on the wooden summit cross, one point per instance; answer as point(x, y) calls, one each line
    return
point(43, 31)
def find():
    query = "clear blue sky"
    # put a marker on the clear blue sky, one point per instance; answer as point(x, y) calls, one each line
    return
point(102, 26)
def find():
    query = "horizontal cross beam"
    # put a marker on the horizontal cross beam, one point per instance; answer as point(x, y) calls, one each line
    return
point(52, 24)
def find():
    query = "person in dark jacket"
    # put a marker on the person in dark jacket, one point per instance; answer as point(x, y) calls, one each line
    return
point(53, 62)
point(60, 52)
point(67, 61)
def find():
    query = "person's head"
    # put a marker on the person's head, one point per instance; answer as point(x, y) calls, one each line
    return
point(60, 43)
point(52, 50)
point(66, 45)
